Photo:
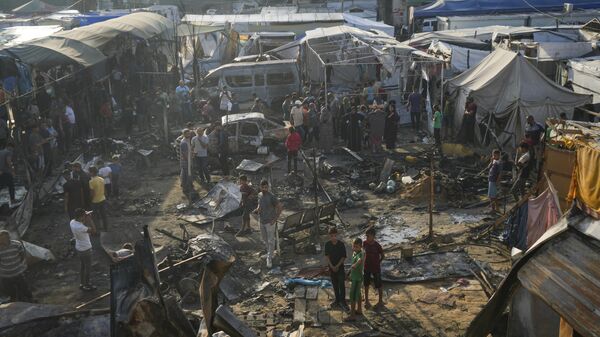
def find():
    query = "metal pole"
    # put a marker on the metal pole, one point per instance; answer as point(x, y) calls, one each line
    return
point(315, 186)
point(326, 98)
point(431, 192)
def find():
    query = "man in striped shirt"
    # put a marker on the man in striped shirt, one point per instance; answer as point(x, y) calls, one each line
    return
point(12, 268)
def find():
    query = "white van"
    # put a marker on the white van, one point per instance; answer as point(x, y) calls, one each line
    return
point(269, 80)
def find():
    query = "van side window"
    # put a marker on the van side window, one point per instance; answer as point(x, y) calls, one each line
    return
point(280, 78)
point(212, 81)
point(259, 79)
point(239, 81)
point(249, 129)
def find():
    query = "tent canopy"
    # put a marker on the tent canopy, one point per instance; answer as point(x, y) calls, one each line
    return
point(53, 51)
point(143, 25)
point(505, 86)
point(478, 7)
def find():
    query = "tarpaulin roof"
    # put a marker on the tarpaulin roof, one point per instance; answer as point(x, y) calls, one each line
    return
point(508, 86)
point(36, 6)
point(189, 29)
point(143, 25)
point(476, 7)
point(53, 51)
point(263, 18)
point(366, 24)
point(423, 40)
point(11, 36)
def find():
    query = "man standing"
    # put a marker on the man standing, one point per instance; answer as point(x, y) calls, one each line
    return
point(105, 173)
point(185, 164)
point(69, 125)
point(534, 132)
point(12, 269)
point(297, 118)
point(469, 119)
point(183, 96)
point(115, 174)
point(286, 106)
point(7, 171)
point(335, 254)
point(524, 166)
point(225, 101)
point(414, 106)
point(223, 148)
point(269, 209)
point(376, 120)
point(83, 179)
point(98, 197)
point(200, 149)
point(83, 245)
point(73, 194)
point(437, 126)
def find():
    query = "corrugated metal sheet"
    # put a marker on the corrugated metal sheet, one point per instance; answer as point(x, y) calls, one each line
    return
point(565, 274)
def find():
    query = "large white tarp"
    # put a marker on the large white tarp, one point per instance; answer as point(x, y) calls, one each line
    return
point(505, 86)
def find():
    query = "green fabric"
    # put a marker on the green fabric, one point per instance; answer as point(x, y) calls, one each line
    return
point(357, 273)
point(437, 120)
point(355, 291)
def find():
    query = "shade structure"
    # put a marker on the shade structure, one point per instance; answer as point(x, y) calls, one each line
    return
point(54, 51)
point(507, 88)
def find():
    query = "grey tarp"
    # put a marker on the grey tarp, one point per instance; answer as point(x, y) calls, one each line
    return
point(143, 25)
point(506, 86)
point(53, 51)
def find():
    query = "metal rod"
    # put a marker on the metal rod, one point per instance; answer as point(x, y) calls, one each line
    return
point(431, 192)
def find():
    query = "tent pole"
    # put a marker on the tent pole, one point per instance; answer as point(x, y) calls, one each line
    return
point(326, 98)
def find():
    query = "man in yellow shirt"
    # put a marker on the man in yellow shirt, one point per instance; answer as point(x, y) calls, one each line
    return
point(98, 198)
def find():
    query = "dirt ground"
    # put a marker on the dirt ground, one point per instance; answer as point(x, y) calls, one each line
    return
point(150, 196)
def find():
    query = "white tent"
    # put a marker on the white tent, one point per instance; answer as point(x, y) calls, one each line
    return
point(507, 88)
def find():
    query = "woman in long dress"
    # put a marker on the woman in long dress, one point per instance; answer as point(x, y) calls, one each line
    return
point(391, 126)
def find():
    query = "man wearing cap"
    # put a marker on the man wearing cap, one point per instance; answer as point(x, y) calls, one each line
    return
point(12, 269)
point(297, 118)
point(83, 245)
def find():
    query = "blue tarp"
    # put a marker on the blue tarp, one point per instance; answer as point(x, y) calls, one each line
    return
point(88, 19)
point(479, 7)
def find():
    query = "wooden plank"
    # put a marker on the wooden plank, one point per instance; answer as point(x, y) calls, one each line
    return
point(300, 292)
point(311, 293)
point(299, 310)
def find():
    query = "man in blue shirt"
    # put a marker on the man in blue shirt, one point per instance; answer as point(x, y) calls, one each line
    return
point(414, 106)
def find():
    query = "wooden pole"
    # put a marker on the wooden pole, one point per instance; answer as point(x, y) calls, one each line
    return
point(431, 195)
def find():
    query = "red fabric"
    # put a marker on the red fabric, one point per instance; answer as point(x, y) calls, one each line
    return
point(293, 142)
point(373, 252)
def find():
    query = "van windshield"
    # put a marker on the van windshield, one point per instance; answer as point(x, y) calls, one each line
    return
point(211, 81)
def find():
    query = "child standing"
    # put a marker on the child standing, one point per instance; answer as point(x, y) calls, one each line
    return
point(493, 179)
point(356, 278)
point(247, 205)
point(372, 270)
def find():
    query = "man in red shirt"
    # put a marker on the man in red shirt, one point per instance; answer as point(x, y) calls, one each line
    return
point(293, 143)
point(372, 270)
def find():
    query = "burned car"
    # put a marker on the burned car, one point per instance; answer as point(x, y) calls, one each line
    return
point(250, 133)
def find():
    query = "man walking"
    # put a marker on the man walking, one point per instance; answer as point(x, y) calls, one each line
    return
point(98, 197)
point(12, 268)
point(414, 106)
point(335, 253)
point(293, 143)
point(83, 245)
point(269, 209)
point(7, 171)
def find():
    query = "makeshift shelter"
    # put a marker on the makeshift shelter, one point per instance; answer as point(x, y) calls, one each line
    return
point(477, 7)
point(553, 287)
point(584, 74)
point(507, 88)
point(460, 58)
point(12, 36)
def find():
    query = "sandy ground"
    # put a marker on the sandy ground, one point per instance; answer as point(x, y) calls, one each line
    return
point(150, 196)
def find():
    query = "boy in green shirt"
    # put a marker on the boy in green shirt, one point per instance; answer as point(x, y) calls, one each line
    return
point(356, 278)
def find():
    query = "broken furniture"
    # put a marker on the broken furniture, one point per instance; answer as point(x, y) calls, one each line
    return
point(304, 220)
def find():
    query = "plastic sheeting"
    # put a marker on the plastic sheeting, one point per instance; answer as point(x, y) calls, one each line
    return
point(461, 58)
point(544, 211)
point(222, 199)
point(475, 7)
point(508, 87)
point(548, 51)
point(366, 24)
point(585, 75)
